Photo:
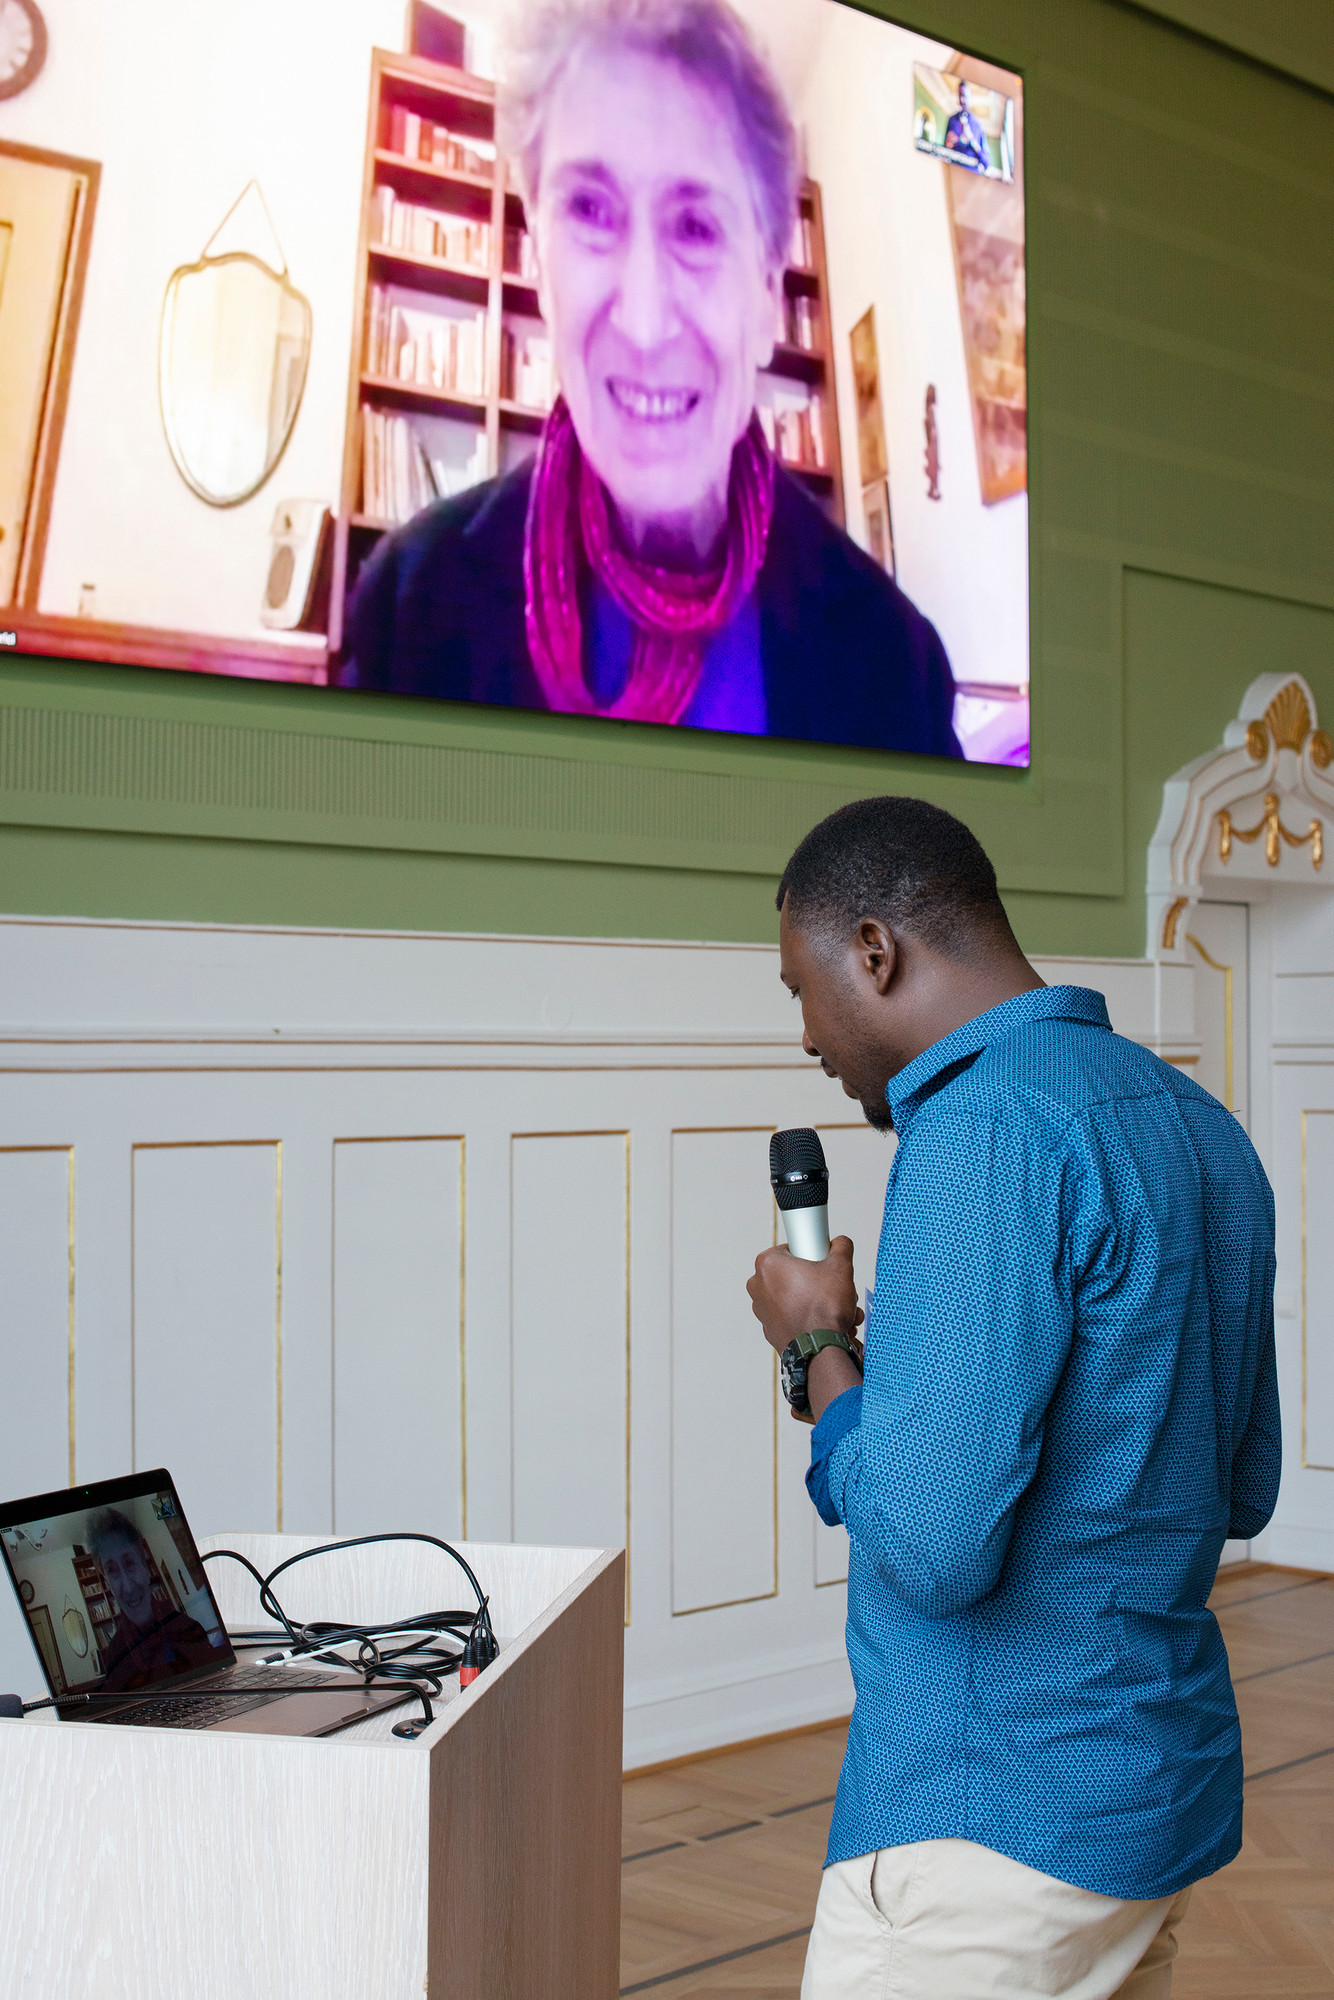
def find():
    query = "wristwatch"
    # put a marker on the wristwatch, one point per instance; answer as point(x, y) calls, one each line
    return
point(797, 1357)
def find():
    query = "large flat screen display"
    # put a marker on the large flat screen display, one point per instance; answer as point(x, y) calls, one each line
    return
point(657, 360)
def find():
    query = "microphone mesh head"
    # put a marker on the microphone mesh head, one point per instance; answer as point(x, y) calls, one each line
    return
point(797, 1169)
point(796, 1152)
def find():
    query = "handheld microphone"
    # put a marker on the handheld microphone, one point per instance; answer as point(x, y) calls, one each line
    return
point(800, 1181)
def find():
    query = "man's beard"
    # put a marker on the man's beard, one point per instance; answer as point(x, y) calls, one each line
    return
point(877, 1113)
point(875, 1108)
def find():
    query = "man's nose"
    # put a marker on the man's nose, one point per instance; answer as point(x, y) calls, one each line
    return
point(809, 1046)
point(643, 311)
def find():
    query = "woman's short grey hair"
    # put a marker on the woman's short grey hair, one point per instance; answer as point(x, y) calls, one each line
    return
point(108, 1524)
point(705, 39)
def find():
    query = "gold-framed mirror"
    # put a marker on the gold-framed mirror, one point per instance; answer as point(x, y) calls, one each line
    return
point(233, 354)
point(75, 1628)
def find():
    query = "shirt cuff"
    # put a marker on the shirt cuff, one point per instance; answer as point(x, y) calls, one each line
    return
point(843, 1415)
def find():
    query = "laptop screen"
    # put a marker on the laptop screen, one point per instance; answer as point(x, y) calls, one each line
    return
point(112, 1586)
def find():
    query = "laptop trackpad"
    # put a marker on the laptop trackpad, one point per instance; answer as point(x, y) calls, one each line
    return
point(308, 1714)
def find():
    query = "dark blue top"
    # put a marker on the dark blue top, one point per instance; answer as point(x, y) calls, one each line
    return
point(844, 656)
point(730, 694)
point(1070, 1402)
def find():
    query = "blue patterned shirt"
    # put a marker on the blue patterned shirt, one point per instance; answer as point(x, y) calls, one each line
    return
point(1070, 1401)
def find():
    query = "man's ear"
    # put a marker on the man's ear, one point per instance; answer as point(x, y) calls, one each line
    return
point(877, 952)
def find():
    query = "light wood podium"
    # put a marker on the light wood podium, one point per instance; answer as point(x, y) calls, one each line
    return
point(481, 1860)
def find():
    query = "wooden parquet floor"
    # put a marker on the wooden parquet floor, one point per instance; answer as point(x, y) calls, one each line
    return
point(722, 1855)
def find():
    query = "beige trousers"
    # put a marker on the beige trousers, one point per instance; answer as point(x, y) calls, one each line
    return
point(948, 1920)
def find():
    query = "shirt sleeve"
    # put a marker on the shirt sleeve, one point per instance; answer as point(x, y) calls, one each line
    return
point(972, 1325)
point(843, 1415)
point(1258, 1460)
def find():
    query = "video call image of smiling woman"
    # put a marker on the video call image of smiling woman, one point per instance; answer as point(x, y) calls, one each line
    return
point(655, 564)
point(664, 362)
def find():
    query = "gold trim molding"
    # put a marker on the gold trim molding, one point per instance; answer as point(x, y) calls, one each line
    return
point(1170, 922)
point(1274, 751)
point(1273, 829)
point(1289, 725)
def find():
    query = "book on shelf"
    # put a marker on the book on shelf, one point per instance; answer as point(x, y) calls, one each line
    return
point(801, 319)
point(520, 255)
point(803, 243)
point(795, 431)
point(425, 347)
point(400, 474)
point(527, 369)
point(426, 232)
point(413, 137)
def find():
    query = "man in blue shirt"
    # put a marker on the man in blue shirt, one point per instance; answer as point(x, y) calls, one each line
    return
point(965, 138)
point(1069, 1402)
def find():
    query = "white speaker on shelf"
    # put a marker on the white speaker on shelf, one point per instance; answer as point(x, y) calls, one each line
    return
point(296, 535)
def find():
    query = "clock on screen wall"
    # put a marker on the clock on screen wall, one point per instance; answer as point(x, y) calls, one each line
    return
point(22, 45)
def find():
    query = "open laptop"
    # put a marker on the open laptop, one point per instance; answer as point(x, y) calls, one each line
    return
point(118, 1604)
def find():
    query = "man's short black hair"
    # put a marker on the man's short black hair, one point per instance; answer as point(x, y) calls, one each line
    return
point(915, 867)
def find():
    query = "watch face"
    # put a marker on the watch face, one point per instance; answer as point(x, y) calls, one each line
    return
point(22, 45)
point(792, 1369)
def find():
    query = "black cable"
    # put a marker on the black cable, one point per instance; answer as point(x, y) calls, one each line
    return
point(275, 1611)
point(316, 1640)
point(432, 1662)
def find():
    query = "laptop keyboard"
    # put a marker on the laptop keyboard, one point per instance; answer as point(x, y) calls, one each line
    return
point(196, 1711)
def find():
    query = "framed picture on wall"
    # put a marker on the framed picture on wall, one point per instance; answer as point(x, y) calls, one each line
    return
point(879, 527)
point(872, 453)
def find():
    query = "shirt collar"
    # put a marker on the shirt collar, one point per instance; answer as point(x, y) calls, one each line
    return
point(1047, 1003)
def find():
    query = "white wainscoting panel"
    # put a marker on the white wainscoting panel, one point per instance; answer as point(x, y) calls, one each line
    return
point(398, 1207)
point(570, 1336)
point(207, 1308)
point(36, 1318)
point(724, 1381)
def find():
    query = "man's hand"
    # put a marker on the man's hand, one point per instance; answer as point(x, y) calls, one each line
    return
point(789, 1296)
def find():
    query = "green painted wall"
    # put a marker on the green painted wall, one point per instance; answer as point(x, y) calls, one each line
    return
point(1181, 351)
point(1292, 35)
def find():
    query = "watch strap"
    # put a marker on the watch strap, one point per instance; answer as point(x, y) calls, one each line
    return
point(798, 1355)
point(808, 1345)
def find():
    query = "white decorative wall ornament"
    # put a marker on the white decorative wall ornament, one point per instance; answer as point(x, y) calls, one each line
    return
point(1257, 811)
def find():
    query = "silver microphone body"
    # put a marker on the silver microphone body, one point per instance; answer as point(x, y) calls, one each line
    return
point(807, 1231)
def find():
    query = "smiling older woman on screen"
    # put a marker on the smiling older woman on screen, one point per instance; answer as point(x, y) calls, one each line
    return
point(654, 564)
